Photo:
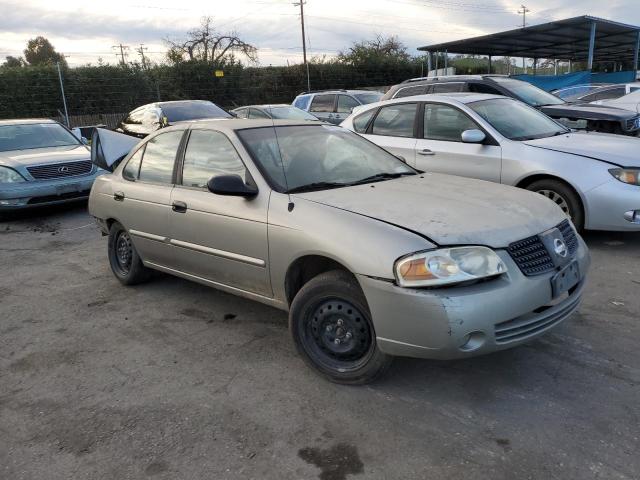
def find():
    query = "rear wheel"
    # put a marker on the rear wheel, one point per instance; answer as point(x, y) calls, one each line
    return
point(123, 257)
point(563, 196)
point(333, 332)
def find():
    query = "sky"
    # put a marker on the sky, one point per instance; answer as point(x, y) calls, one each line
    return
point(88, 30)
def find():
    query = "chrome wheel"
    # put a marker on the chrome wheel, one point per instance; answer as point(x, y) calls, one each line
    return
point(557, 199)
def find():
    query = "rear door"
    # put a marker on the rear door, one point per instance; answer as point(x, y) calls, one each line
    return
point(441, 148)
point(220, 238)
point(344, 107)
point(323, 106)
point(142, 198)
point(394, 129)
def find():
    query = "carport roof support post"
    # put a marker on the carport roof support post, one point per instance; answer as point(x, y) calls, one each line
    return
point(592, 45)
point(636, 53)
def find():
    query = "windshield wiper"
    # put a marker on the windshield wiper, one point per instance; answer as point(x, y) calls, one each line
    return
point(378, 177)
point(316, 186)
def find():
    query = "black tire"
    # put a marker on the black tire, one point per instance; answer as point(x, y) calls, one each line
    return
point(340, 346)
point(125, 262)
point(564, 196)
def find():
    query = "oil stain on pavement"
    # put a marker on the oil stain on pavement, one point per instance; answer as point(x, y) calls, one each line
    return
point(335, 463)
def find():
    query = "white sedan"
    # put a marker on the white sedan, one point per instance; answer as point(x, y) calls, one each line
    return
point(593, 177)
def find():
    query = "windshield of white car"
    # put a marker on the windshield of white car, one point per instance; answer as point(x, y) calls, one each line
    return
point(529, 94)
point(181, 111)
point(515, 120)
point(365, 98)
point(35, 135)
point(318, 157)
point(289, 113)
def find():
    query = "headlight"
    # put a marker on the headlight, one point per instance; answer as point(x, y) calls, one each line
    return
point(447, 266)
point(627, 175)
point(8, 175)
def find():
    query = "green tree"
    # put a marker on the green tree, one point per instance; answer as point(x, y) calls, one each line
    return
point(39, 51)
point(13, 61)
point(379, 50)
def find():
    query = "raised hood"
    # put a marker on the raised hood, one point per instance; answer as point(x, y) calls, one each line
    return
point(588, 111)
point(614, 149)
point(448, 210)
point(39, 156)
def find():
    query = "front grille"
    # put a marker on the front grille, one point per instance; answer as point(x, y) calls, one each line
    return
point(536, 322)
point(632, 124)
point(532, 257)
point(60, 170)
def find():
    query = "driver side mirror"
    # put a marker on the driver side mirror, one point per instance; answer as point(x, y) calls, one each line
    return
point(231, 186)
point(473, 136)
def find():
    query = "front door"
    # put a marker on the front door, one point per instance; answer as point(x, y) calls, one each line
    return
point(441, 148)
point(219, 238)
point(142, 197)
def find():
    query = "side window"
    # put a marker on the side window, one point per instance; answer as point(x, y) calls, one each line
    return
point(410, 91)
point(346, 103)
point(209, 154)
point(255, 113)
point(302, 102)
point(132, 168)
point(322, 103)
point(483, 88)
point(395, 120)
point(361, 121)
point(242, 113)
point(159, 157)
point(448, 87)
point(610, 93)
point(442, 122)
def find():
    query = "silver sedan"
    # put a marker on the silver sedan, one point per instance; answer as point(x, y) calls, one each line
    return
point(370, 257)
point(42, 163)
point(593, 177)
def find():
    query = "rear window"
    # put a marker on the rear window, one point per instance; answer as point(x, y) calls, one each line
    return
point(395, 120)
point(322, 103)
point(180, 111)
point(448, 87)
point(159, 157)
point(410, 91)
point(369, 97)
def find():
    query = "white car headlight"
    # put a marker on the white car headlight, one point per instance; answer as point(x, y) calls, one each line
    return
point(9, 175)
point(627, 175)
point(448, 265)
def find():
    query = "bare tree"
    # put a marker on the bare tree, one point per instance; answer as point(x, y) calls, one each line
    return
point(207, 45)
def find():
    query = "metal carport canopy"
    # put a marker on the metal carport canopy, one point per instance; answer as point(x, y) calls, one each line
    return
point(563, 40)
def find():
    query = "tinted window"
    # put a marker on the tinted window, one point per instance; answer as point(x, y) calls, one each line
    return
point(302, 102)
point(410, 91)
point(132, 169)
point(530, 94)
point(368, 97)
point(346, 103)
point(179, 111)
point(395, 120)
point(159, 156)
point(209, 154)
point(607, 94)
point(35, 135)
point(361, 121)
point(447, 87)
point(483, 88)
point(255, 113)
point(322, 103)
point(442, 122)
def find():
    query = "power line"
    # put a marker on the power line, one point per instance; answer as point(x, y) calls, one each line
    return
point(523, 11)
point(304, 41)
point(122, 54)
point(141, 53)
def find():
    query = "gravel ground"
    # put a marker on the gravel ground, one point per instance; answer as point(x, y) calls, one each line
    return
point(173, 380)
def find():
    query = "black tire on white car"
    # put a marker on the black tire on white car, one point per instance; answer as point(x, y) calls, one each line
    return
point(564, 196)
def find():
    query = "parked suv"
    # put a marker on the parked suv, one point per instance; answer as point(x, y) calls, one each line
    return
point(334, 106)
point(597, 118)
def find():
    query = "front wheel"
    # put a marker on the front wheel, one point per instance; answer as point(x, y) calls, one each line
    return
point(332, 329)
point(563, 196)
point(123, 257)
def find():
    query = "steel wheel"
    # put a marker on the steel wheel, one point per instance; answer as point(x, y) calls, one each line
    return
point(338, 333)
point(124, 252)
point(557, 199)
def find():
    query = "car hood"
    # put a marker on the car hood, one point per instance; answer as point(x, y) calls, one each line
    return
point(448, 210)
point(617, 150)
point(39, 156)
point(588, 111)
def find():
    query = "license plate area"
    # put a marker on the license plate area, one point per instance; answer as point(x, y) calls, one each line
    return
point(566, 278)
point(67, 188)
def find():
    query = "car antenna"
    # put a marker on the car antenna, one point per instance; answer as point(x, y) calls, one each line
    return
point(290, 205)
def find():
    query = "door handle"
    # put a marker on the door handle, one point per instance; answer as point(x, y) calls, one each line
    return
point(118, 196)
point(178, 206)
point(426, 151)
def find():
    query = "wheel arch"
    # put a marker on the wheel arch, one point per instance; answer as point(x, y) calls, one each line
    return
point(528, 180)
point(306, 267)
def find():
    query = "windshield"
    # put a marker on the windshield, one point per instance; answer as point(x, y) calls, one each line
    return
point(35, 135)
point(534, 96)
point(289, 113)
point(316, 157)
point(515, 120)
point(180, 111)
point(365, 98)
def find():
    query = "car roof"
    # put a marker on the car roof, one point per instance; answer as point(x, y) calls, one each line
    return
point(268, 105)
point(451, 78)
point(337, 91)
point(26, 121)
point(460, 97)
point(242, 123)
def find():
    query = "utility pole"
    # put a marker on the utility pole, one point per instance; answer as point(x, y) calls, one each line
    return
point(64, 100)
point(141, 52)
point(122, 54)
point(523, 11)
point(304, 41)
